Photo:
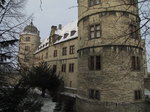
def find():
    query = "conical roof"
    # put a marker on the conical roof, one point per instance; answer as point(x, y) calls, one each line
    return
point(31, 29)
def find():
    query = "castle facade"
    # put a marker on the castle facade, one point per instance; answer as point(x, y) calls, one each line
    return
point(100, 56)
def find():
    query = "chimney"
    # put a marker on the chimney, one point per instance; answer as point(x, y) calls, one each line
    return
point(54, 28)
point(59, 26)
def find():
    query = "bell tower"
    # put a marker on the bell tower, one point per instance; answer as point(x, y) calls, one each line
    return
point(29, 42)
point(110, 63)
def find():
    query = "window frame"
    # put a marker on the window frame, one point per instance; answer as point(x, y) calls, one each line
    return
point(27, 48)
point(64, 51)
point(133, 2)
point(92, 3)
point(137, 94)
point(71, 67)
point(72, 49)
point(95, 31)
point(135, 63)
point(55, 53)
point(133, 31)
point(63, 69)
point(28, 39)
point(93, 64)
point(46, 55)
point(94, 94)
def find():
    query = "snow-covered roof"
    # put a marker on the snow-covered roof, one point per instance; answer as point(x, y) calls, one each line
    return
point(70, 29)
point(44, 44)
point(67, 30)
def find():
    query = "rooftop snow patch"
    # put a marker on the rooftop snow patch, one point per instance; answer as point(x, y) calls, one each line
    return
point(70, 29)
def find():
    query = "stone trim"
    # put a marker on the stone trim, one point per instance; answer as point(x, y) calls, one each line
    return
point(106, 11)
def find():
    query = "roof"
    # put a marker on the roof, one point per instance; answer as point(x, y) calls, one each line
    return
point(67, 29)
point(30, 29)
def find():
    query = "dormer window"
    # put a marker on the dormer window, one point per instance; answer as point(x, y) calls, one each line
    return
point(65, 35)
point(72, 33)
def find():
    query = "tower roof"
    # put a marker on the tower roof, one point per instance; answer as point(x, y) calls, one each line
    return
point(31, 29)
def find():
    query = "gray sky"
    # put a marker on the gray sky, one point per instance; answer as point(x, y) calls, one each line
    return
point(53, 12)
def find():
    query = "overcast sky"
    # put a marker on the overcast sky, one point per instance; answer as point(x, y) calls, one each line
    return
point(51, 12)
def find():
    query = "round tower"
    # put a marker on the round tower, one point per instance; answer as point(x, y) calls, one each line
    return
point(29, 42)
point(110, 63)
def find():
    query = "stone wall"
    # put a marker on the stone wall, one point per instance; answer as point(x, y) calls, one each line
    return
point(68, 77)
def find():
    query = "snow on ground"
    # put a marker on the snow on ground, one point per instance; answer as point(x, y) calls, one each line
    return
point(48, 105)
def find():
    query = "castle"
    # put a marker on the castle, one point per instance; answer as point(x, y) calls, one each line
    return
point(100, 56)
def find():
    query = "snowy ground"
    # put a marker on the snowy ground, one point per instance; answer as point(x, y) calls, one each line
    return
point(48, 105)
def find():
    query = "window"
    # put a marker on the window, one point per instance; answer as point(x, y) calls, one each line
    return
point(54, 68)
point(63, 69)
point(95, 63)
point(95, 31)
point(70, 84)
point(72, 33)
point(125, 14)
point(55, 53)
point(46, 56)
point(26, 58)
point(133, 32)
point(133, 2)
point(135, 63)
point(27, 38)
point(71, 67)
point(64, 51)
point(27, 48)
point(94, 94)
point(94, 2)
point(137, 94)
point(72, 49)
point(65, 35)
point(112, 13)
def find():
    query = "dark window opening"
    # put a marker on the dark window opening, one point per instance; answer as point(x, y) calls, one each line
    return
point(138, 94)
point(94, 94)
point(94, 2)
point(72, 49)
point(72, 33)
point(135, 63)
point(71, 67)
point(27, 48)
point(64, 51)
point(27, 38)
point(95, 63)
point(133, 31)
point(65, 35)
point(55, 53)
point(54, 68)
point(63, 69)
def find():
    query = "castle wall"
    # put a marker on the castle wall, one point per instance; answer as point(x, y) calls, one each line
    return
point(26, 55)
point(106, 40)
point(59, 60)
